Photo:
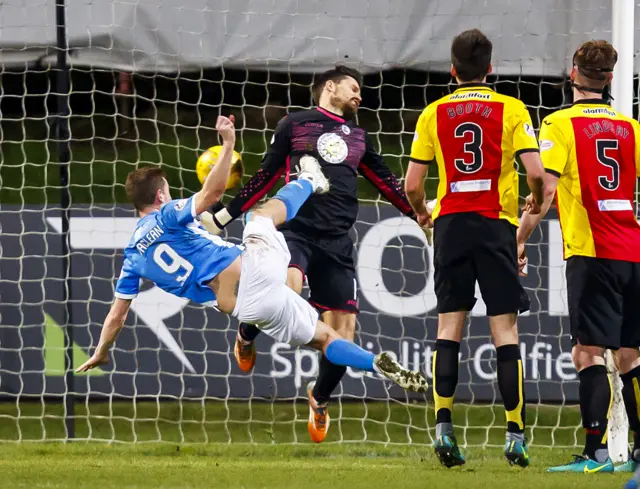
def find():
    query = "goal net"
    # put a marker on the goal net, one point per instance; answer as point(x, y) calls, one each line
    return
point(147, 82)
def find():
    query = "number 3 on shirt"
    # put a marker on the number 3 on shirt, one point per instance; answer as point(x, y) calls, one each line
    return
point(472, 147)
point(176, 263)
point(602, 145)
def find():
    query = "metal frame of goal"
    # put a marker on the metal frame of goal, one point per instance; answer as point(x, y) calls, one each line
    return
point(622, 91)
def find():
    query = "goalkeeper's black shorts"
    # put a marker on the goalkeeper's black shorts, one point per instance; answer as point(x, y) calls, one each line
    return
point(469, 247)
point(328, 265)
point(604, 302)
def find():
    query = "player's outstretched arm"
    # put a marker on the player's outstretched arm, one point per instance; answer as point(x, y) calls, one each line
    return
point(271, 169)
point(373, 168)
point(110, 330)
point(216, 182)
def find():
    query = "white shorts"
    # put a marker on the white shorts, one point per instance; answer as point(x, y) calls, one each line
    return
point(263, 296)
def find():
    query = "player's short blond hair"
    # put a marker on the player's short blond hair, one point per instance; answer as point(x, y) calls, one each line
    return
point(594, 61)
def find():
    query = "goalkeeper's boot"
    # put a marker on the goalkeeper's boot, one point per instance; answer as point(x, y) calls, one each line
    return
point(447, 451)
point(517, 453)
point(309, 169)
point(245, 353)
point(582, 463)
point(407, 379)
point(318, 424)
point(629, 466)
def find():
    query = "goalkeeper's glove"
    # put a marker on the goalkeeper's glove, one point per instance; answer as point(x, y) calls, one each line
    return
point(216, 218)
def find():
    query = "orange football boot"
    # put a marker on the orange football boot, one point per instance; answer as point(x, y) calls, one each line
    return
point(318, 417)
point(245, 354)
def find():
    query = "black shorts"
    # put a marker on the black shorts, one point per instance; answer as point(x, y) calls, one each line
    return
point(604, 302)
point(329, 268)
point(469, 247)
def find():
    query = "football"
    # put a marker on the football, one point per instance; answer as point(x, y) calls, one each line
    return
point(208, 160)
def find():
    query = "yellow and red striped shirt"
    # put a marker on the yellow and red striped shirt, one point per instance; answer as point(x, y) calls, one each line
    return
point(595, 152)
point(475, 134)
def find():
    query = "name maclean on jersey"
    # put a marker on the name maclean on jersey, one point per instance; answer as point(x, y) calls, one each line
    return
point(149, 238)
point(465, 96)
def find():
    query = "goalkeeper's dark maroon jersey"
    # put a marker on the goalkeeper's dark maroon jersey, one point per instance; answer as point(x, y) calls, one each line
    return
point(343, 149)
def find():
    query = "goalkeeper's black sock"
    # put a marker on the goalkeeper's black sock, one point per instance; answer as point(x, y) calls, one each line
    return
point(595, 402)
point(248, 332)
point(511, 384)
point(328, 379)
point(631, 396)
point(445, 380)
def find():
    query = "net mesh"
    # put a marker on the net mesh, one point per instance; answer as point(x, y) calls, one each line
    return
point(172, 376)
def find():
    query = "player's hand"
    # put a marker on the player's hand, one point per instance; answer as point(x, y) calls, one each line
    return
point(95, 361)
point(426, 224)
point(531, 205)
point(226, 128)
point(424, 217)
point(523, 261)
point(424, 220)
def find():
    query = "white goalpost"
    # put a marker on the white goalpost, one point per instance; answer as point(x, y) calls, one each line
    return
point(623, 14)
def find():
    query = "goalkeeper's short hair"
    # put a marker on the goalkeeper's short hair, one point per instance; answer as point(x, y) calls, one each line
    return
point(336, 75)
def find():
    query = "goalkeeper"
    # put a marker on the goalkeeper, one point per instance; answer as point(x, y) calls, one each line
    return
point(318, 238)
point(591, 154)
point(474, 135)
point(171, 249)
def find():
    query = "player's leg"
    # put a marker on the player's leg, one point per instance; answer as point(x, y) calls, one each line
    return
point(497, 267)
point(454, 282)
point(628, 363)
point(329, 374)
point(263, 299)
point(595, 314)
point(332, 282)
point(445, 380)
point(511, 384)
point(596, 397)
point(281, 208)
point(346, 353)
point(310, 179)
point(244, 349)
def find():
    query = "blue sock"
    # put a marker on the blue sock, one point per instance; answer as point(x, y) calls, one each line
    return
point(293, 195)
point(343, 352)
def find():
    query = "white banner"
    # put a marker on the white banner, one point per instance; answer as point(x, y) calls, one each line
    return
point(530, 38)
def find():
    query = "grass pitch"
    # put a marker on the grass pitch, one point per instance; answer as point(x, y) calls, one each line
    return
point(261, 445)
point(249, 466)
